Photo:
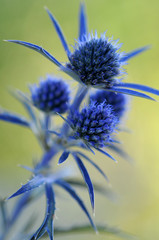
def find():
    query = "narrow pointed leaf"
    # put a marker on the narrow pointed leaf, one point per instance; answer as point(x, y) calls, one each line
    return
point(47, 225)
point(121, 152)
point(27, 168)
point(107, 192)
point(72, 192)
point(63, 157)
point(139, 87)
point(82, 22)
point(20, 96)
point(48, 56)
point(59, 32)
point(89, 148)
point(134, 53)
point(130, 92)
point(37, 49)
point(91, 162)
point(33, 183)
point(66, 120)
point(105, 153)
point(86, 178)
point(13, 118)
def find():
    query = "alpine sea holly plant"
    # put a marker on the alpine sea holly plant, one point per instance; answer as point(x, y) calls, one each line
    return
point(95, 62)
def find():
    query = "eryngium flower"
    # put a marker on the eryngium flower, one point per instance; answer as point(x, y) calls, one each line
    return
point(116, 100)
point(52, 95)
point(94, 124)
point(96, 61)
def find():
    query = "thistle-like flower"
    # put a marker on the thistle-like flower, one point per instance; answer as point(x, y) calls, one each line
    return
point(94, 124)
point(95, 62)
point(118, 101)
point(52, 95)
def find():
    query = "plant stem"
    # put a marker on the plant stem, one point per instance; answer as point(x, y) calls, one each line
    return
point(80, 95)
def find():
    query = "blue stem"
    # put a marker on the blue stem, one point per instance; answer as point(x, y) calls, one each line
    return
point(80, 95)
point(47, 157)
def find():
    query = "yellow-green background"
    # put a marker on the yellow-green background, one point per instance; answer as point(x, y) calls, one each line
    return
point(136, 23)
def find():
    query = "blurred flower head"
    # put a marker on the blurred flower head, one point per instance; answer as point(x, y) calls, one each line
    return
point(52, 95)
point(118, 101)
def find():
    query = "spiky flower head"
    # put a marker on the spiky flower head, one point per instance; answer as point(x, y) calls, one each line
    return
point(94, 124)
point(52, 95)
point(116, 100)
point(96, 61)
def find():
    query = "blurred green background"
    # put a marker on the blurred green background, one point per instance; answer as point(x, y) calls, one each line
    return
point(136, 23)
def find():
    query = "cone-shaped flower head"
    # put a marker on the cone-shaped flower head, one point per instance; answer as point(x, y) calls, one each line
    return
point(94, 124)
point(118, 101)
point(52, 95)
point(96, 61)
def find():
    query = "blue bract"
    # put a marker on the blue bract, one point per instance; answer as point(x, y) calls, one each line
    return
point(118, 101)
point(95, 62)
point(52, 95)
point(94, 124)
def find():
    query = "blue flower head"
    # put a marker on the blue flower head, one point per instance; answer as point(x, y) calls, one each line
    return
point(94, 124)
point(118, 101)
point(95, 62)
point(52, 95)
